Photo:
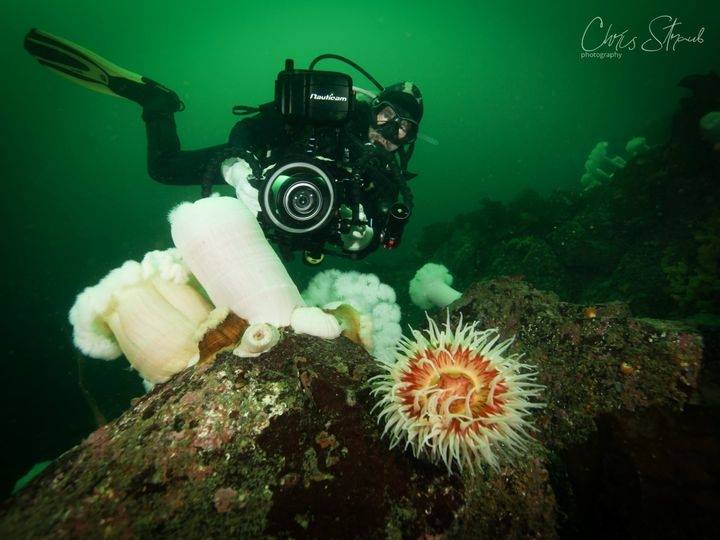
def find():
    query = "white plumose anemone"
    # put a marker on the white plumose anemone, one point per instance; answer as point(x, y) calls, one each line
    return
point(454, 396)
point(366, 308)
point(431, 287)
point(223, 245)
point(146, 310)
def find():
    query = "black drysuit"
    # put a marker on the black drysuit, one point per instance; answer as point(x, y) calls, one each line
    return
point(168, 164)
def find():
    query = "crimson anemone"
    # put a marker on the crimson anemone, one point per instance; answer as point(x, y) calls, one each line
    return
point(454, 396)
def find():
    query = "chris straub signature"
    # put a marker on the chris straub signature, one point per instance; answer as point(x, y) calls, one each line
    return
point(602, 41)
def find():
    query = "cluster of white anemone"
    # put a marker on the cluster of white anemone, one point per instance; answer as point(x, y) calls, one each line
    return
point(155, 311)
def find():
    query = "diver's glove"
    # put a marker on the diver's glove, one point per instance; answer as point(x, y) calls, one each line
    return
point(359, 236)
point(237, 173)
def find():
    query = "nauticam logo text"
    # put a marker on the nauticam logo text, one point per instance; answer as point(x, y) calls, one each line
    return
point(327, 97)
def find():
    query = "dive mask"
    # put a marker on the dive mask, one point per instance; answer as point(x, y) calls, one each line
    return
point(393, 123)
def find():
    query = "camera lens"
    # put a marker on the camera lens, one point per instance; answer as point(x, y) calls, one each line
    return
point(303, 200)
point(298, 197)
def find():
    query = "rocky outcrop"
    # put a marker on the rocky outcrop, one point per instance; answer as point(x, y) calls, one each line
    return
point(285, 445)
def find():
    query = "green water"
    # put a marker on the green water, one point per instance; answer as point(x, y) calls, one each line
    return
point(506, 96)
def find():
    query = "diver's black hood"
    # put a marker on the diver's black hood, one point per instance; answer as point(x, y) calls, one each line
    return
point(406, 96)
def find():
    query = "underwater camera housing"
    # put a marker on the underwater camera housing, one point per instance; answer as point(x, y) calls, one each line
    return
point(317, 97)
point(314, 191)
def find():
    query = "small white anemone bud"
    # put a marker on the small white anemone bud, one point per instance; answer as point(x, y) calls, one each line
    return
point(315, 322)
point(431, 287)
point(257, 339)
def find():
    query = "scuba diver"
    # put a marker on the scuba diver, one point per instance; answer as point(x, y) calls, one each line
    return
point(341, 151)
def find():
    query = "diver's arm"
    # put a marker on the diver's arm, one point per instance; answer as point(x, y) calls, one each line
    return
point(166, 162)
point(259, 133)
